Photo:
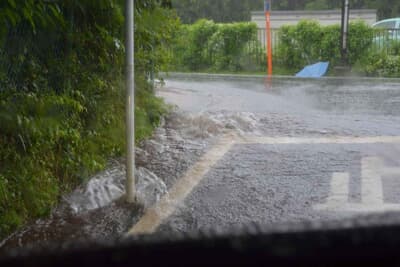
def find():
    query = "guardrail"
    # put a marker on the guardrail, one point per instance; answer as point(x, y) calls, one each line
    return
point(262, 38)
point(387, 40)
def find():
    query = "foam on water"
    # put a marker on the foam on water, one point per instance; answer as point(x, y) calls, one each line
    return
point(212, 124)
point(109, 186)
point(150, 188)
point(187, 131)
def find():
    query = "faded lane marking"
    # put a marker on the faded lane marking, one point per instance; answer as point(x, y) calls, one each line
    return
point(339, 188)
point(154, 216)
point(371, 181)
point(372, 197)
point(317, 140)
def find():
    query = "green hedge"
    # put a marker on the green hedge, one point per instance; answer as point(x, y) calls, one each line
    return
point(379, 64)
point(206, 45)
point(309, 42)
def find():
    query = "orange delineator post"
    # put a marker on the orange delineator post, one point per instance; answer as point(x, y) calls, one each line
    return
point(269, 42)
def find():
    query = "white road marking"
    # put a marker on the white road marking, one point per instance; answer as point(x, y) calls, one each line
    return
point(371, 181)
point(372, 197)
point(357, 207)
point(391, 171)
point(167, 205)
point(339, 188)
point(154, 216)
point(323, 140)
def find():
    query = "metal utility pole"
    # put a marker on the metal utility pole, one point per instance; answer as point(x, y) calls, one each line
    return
point(130, 102)
point(267, 10)
point(345, 31)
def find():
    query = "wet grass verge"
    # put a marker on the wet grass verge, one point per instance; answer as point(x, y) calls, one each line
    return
point(50, 143)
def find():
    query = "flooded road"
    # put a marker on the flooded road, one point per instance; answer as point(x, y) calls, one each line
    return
point(237, 151)
point(293, 106)
point(322, 150)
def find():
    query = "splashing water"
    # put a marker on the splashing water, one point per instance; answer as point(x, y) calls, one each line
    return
point(109, 186)
point(99, 191)
point(212, 124)
point(150, 188)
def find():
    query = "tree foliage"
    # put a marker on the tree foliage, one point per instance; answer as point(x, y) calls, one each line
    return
point(62, 95)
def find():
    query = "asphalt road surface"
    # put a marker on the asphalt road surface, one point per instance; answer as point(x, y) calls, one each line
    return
point(317, 150)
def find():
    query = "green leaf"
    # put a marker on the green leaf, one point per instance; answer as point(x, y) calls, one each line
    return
point(12, 3)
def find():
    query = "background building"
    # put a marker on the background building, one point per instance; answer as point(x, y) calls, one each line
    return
point(324, 17)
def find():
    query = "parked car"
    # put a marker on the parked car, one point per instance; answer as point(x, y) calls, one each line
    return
point(388, 30)
point(388, 24)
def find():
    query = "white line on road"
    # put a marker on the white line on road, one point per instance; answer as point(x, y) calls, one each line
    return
point(391, 171)
point(371, 181)
point(339, 188)
point(357, 207)
point(323, 140)
point(167, 205)
point(372, 197)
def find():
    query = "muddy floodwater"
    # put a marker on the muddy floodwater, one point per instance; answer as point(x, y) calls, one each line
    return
point(257, 181)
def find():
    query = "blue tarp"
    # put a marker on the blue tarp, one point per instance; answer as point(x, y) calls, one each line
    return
point(316, 70)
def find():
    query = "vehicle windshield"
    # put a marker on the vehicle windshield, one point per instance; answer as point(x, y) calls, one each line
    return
point(199, 115)
point(386, 25)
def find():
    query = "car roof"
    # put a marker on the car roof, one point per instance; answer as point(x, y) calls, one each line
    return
point(386, 20)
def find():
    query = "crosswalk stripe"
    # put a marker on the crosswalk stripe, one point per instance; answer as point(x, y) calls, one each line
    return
point(371, 181)
point(339, 187)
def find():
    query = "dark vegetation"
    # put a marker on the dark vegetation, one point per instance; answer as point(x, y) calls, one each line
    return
point(62, 94)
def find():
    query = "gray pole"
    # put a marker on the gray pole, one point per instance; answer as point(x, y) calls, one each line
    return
point(130, 104)
point(345, 31)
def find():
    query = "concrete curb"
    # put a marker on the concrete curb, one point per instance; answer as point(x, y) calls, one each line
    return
point(213, 76)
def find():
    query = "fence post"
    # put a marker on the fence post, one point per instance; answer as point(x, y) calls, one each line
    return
point(130, 102)
point(345, 31)
point(267, 9)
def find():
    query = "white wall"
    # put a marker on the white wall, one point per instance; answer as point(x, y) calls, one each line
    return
point(325, 17)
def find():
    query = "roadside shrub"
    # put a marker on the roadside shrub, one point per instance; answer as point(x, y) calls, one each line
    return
point(330, 44)
point(197, 54)
point(379, 64)
point(62, 99)
point(206, 45)
point(227, 45)
point(297, 46)
point(308, 42)
point(48, 147)
point(360, 40)
point(386, 45)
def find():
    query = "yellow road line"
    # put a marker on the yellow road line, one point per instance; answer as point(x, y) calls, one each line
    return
point(167, 205)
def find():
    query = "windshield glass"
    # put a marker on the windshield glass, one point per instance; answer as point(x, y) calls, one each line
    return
point(236, 113)
point(386, 25)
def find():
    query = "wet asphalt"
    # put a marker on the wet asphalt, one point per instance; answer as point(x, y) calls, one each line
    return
point(271, 184)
